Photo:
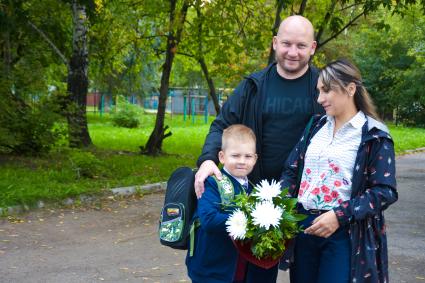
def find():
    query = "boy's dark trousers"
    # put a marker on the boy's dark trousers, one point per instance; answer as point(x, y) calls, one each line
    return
point(256, 274)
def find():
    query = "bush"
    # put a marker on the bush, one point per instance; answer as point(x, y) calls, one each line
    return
point(126, 115)
point(86, 164)
point(25, 128)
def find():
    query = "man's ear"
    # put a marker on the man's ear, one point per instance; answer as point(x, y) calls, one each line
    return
point(275, 42)
point(313, 48)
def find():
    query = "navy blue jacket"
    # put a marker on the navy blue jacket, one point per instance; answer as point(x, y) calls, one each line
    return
point(214, 258)
point(373, 190)
point(245, 107)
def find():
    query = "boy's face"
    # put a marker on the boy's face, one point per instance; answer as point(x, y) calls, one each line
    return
point(239, 158)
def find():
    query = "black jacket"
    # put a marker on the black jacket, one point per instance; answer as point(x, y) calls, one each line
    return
point(245, 107)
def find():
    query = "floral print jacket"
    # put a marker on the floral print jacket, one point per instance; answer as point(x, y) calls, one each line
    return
point(373, 190)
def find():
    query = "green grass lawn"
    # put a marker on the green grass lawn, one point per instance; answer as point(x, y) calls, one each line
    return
point(53, 177)
point(407, 138)
point(24, 180)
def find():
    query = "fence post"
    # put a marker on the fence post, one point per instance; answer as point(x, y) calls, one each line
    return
point(193, 110)
point(102, 102)
point(206, 110)
point(184, 107)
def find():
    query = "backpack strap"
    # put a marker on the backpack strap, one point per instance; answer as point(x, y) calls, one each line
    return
point(304, 145)
point(196, 223)
point(227, 195)
point(226, 189)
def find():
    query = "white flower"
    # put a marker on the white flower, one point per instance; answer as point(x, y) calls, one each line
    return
point(266, 191)
point(236, 225)
point(265, 214)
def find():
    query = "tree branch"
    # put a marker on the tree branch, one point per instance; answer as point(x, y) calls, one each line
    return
point(350, 6)
point(280, 5)
point(319, 45)
point(186, 54)
point(46, 38)
point(327, 18)
point(151, 36)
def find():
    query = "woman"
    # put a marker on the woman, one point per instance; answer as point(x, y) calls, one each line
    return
point(343, 173)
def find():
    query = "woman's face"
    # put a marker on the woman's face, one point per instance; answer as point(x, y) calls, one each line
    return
point(336, 101)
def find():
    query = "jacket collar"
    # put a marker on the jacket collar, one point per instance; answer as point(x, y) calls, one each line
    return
point(374, 129)
point(373, 123)
point(257, 77)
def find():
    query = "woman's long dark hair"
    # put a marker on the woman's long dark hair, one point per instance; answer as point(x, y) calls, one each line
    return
point(342, 72)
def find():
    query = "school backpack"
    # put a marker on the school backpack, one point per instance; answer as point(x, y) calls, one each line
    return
point(180, 205)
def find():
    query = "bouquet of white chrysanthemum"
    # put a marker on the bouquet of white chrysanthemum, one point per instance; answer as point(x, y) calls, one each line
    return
point(263, 222)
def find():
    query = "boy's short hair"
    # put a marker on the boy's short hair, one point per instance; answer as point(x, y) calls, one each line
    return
point(237, 132)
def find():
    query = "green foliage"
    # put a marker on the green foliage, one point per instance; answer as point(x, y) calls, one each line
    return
point(389, 51)
point(126, 115)
point(392, 64)
point(266, 240)
point(27, 129)
point(85, 164)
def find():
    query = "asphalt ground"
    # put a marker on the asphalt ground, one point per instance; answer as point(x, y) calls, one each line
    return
point(115, 239)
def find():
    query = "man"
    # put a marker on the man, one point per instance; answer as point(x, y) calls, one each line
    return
point(276, 103)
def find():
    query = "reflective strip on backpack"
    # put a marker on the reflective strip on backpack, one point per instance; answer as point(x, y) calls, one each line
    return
point(196, 223)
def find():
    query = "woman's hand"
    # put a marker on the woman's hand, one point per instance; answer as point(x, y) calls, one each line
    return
point(324, 225)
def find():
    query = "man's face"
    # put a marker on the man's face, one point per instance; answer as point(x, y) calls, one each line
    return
point(293, 48)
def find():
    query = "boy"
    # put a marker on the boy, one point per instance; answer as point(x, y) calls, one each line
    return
point(214, 256)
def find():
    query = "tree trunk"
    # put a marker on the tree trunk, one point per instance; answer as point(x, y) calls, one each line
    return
point(325, 22)
point(7, 56)
point(279, 8)
point(201, 60)
point(302, 7)
point(211, 86)
point(78, 80)
point(154, 144)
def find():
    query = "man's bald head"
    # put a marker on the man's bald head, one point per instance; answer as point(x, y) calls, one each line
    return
point(298, 23)
point(294, 45)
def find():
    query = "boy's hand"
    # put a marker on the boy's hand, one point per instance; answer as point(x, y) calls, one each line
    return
point(206, 169)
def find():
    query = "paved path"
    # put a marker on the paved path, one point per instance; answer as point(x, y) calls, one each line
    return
point(116, 241)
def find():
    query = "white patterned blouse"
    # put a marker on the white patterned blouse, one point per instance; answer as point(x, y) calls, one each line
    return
point(329, 163)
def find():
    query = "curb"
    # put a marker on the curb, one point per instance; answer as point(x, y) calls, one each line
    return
point(120, 191)
point(409, 151)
